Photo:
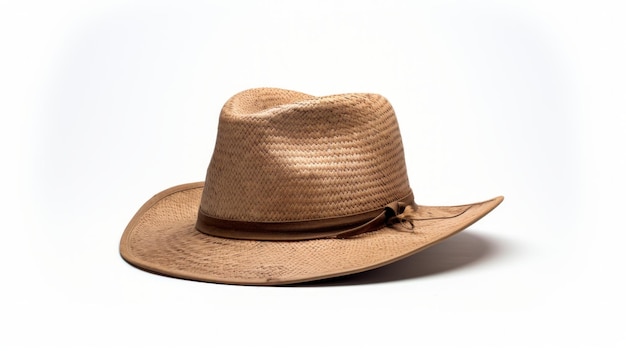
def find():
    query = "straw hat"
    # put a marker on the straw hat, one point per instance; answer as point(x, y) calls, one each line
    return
point(299, 188)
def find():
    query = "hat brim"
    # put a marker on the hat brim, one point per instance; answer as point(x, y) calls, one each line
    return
point(161, 238)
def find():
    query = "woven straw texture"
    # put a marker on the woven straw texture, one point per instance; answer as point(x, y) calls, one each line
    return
point(286, 156)
point(283, 157)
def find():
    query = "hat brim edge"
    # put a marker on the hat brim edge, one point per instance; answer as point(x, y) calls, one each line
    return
point(127, 253)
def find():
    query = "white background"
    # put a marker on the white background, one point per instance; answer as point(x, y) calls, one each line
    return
point(105, 103)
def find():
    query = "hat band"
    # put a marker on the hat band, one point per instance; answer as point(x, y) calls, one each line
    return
point(337, 227)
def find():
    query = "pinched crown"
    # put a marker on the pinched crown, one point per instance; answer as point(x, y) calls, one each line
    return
point(285, 156)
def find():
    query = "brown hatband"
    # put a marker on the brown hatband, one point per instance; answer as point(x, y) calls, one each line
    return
point(337, 227)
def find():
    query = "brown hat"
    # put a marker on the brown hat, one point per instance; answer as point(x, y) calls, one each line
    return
point(299, 188)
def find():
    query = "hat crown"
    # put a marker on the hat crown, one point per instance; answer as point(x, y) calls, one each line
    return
point(284, 156)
